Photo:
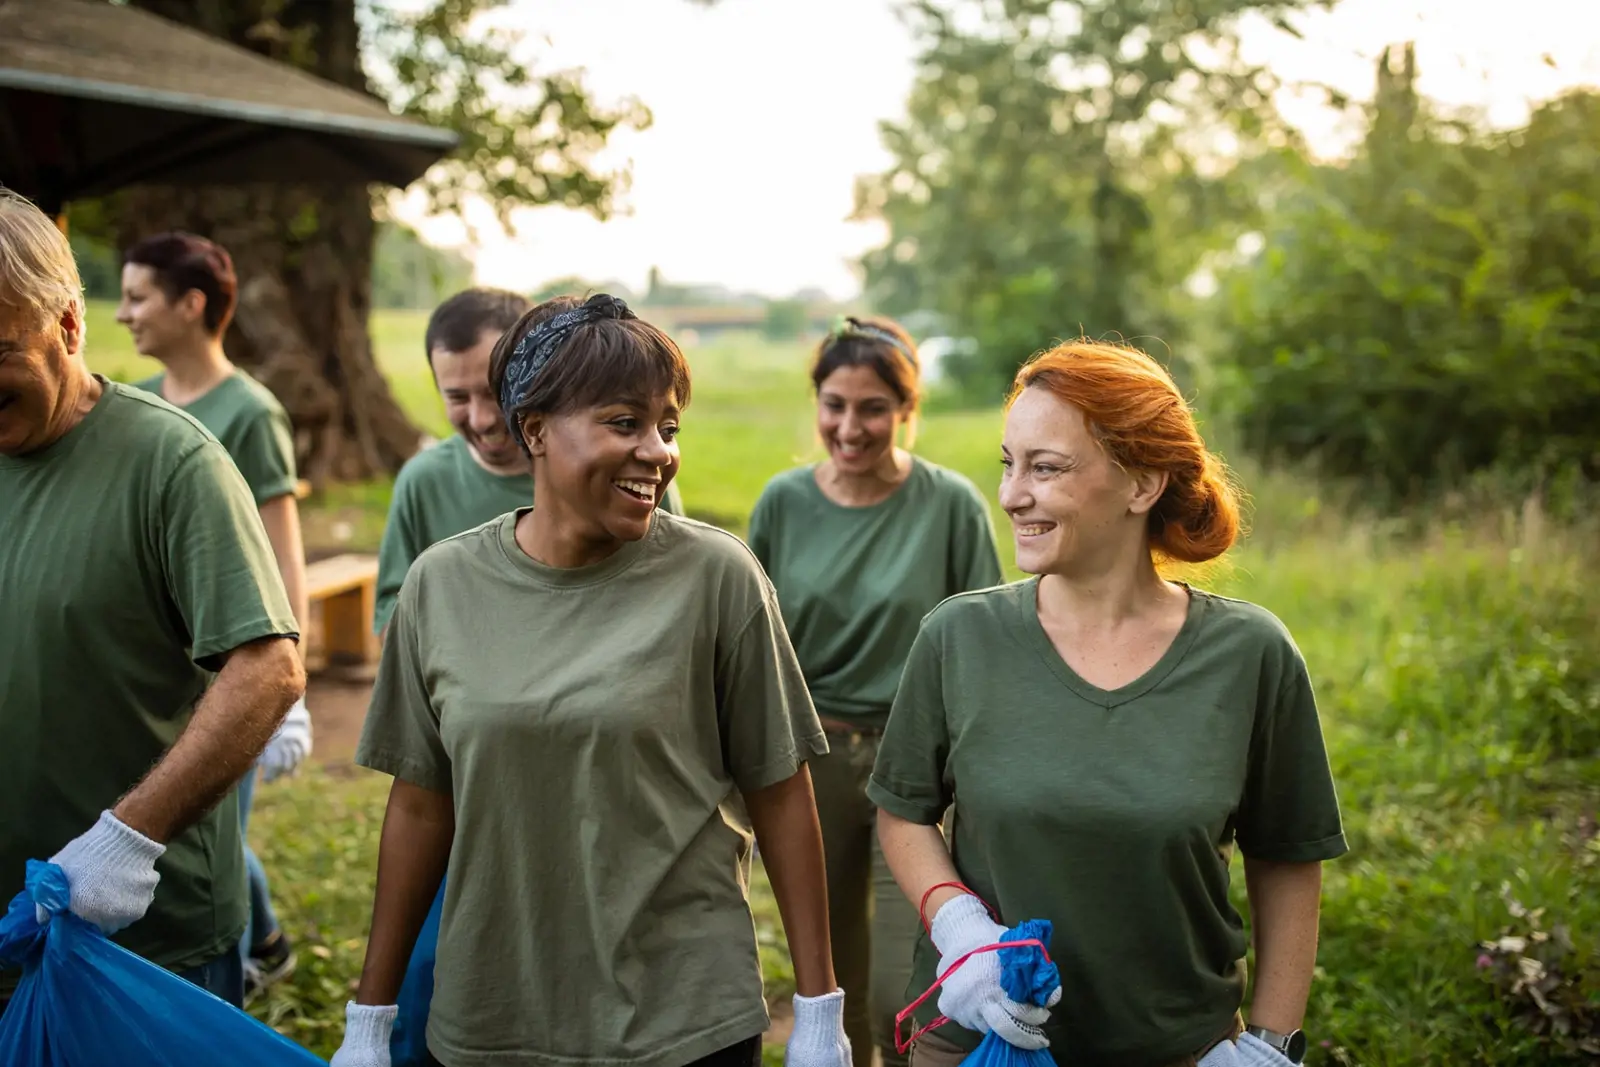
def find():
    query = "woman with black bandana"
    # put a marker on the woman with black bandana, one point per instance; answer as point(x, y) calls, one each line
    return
point(860, 547)
point(572, 698)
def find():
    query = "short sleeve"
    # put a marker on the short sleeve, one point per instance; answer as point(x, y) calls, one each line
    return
point(975, 561)
point(909, 778)
point(401, 734)
point(399, 548)
point(1290, 811)
point(759, 537)
point(764, 711)
point(219, 565)
point(264, 454)
point(672, 503)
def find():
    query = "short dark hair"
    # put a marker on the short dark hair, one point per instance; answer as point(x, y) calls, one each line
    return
point(617, 357)
point(456, 324)
point(184, 261)
point(897, 368)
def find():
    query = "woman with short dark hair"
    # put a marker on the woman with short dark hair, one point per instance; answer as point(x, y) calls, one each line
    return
point(574, 699)
point(860, 546)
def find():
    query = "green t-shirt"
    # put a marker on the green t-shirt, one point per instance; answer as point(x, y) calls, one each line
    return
point(251, 424)
point(131, 559)
point(595, 727)
point(1112, 814)
point(855, 582)
point(440, 492)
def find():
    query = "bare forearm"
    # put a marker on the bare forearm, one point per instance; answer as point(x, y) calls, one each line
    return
point(785, 820)
point(418, 829)
point(228, 730)
point(919, 860)
point(1285, 899)
point(281, 518)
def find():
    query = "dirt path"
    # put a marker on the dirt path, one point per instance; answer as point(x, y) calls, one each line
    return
point(338, 708)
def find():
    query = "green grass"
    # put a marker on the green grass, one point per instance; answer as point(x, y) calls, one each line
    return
point(1458, 673)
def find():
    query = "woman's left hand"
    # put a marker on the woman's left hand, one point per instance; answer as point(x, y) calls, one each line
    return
point(1248, 1051)
point(818, 1038)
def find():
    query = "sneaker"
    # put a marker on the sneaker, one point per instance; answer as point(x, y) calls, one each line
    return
point(271, 961)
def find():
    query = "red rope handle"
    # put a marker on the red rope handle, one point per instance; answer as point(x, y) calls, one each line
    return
point(922, 905)
point(905, 1013)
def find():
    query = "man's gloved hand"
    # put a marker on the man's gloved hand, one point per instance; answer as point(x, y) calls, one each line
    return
point(973, 997)
point(818, 1038)
point(111, 868)
point(367, 1029)
point(290, 744)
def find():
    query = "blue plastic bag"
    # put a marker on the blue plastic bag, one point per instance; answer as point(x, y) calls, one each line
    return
point(408, 1042)
point(1028, 977)
point(86, 1002)
point(1026, 974)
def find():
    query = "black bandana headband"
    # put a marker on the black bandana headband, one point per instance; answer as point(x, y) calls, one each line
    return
point(537, 347)
point(846, 327)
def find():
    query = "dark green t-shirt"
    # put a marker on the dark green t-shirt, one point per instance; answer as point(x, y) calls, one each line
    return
point(855, 582)
point(131, 559)
point(1112, 814)
point(251, 424)
point(595, 728)
point(440, 492)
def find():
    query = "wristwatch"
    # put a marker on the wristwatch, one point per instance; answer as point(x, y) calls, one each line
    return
point(1292, 1045)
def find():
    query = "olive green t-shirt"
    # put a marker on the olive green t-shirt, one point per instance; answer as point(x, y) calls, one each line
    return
point(440, 492)
point(131, 559)
point(251, 424)
point(1112, 814)
point(855, 582)
point(595, 728)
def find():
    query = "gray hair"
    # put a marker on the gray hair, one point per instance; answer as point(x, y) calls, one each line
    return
point(36, 265)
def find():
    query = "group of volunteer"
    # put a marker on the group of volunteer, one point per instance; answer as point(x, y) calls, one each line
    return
point(595, 709)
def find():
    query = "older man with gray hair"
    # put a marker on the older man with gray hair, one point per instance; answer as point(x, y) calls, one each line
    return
point(147, 647)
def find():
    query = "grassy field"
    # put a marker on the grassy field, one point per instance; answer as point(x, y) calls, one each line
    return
point(1459, 676)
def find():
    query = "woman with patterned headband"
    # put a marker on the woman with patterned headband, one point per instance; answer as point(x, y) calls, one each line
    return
point(860, 547)
point(573, 699)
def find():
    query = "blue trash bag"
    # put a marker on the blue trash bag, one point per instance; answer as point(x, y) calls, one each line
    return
point(408, 1042)
point(1028, 977)
point(85, 1001)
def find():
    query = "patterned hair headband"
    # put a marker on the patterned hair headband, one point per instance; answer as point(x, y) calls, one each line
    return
point(846, 327)
point(538, 346)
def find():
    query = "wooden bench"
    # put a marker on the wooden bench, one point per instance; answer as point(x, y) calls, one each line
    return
point(343, 591)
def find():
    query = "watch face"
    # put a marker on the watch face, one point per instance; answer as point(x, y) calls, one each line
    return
point(1297, 1046)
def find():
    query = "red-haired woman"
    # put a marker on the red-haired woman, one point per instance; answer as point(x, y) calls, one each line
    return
point(860, 547)
point(1111, 735)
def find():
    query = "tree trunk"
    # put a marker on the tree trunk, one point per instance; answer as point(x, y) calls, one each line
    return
point(303, 255)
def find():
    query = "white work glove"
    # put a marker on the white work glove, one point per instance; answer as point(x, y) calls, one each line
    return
point(973, 997)
point(367, 1028)
point(290, 744)
point(1248, 1051)
point(111, 868)
point(818, 1038)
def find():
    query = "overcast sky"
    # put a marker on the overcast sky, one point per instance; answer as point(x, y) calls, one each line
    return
point(766, 110)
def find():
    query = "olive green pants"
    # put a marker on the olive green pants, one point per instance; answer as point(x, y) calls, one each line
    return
point(873, 926)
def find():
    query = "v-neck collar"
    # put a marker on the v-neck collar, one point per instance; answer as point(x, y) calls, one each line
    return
point(1032, 633)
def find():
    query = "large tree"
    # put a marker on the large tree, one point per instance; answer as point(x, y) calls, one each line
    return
point(1426, 310)
point(1057, 163)
point(304, 253)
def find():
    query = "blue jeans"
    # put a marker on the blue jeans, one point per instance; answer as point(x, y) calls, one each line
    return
point(223, 976)
point(263, 923)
